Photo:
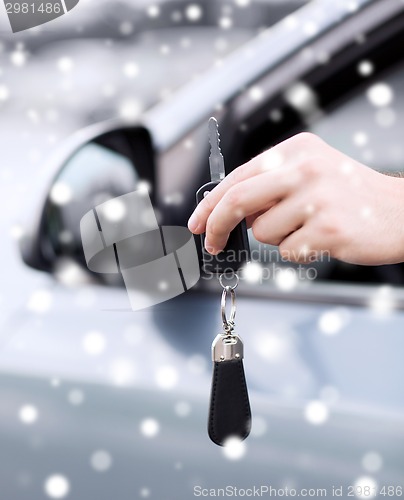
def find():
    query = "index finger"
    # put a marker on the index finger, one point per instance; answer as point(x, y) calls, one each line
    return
point(258, 165)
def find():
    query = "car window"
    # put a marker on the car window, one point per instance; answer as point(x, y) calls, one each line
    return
point(364, 120)
point(368, 126)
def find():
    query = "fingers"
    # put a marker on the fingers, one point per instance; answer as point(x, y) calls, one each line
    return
point(197, 222)
point(251, 218)
point(274, 225)
point(293, 150)
point(304, 246)
point(268, 160)
point(244, 199)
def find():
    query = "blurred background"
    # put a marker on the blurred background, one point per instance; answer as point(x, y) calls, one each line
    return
point(98, 401)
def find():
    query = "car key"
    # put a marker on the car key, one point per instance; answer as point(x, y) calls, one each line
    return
point(237, 250)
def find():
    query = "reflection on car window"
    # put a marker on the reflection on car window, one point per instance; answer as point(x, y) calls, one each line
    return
point(368, 126)
point(94, 174)
point(96, 165)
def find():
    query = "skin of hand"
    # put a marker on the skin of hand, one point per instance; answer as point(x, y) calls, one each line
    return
point(310, 200)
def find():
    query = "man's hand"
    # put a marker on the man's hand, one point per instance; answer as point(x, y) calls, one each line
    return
point(307, 198)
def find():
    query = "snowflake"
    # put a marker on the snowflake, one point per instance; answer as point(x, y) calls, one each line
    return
point(193, 12)
point(57, 486)
point(149, 427)
point(4, 92)
point(153, 11)
point(380, 94)
point(316, 412)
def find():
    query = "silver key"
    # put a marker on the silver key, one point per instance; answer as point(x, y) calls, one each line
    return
point(216, 161)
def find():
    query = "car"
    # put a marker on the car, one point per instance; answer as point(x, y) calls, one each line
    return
point(127, 392)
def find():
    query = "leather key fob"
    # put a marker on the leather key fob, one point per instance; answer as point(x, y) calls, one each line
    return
point(229, 413)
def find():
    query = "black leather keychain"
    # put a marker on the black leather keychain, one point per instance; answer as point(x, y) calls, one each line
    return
point(229, 412)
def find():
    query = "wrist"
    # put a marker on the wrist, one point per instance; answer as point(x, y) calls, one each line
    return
point(395, 247)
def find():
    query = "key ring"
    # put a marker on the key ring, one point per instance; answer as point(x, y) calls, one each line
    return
point(234, 275)
point(228, 325)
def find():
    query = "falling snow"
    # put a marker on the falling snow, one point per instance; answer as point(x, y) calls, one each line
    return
point(386, 117)
point(130, 109)
point(122, 371)
point(273, 159)
point(28, 414)
point(301, 97)
point(272, 345)
point(365, 487)
point(380, 94)
point(193, 12)
point(57, 486)
point(372, 461)
point(114, 210)
point(225, 22)
point(18, 58)
point(17, 231)
point(61, 193)
point(332, 321)
point(101, 460)
point(76, 397)
point(149, 427)
point(286, 279)
point(4, 92)
point(382, 302)
point(242, 3)
point(275, 115)
point(256, 93)
point(126, 28)
point(65, 64)
point(310, 28)
point(94, 343)
point(131, 70)
point(290, 22)
point(365, 68)
point(234, 448)
point(316, 412)
point(252, 272)
point(182, 409)
point(360, 138)
point(166, 377)
point(153, 11)
point(40, 301)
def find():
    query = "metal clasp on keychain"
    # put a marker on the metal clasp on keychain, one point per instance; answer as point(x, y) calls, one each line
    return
point(228, 325)
point(228, 345)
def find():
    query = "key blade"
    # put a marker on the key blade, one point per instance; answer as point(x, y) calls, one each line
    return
point(216, 161)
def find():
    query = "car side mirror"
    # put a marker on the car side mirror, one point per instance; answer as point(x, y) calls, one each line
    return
point(98, 167)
